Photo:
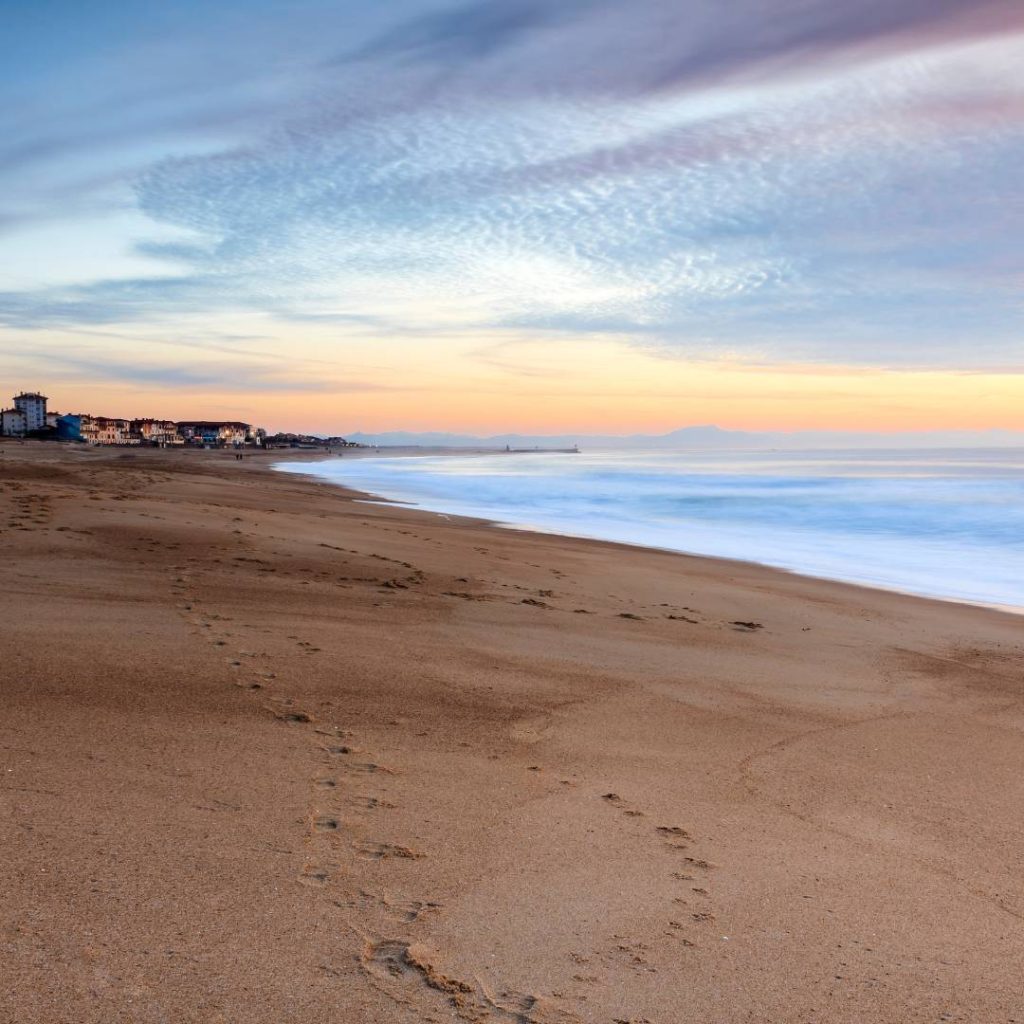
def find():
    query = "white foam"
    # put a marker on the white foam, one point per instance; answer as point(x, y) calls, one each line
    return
point(942, 524)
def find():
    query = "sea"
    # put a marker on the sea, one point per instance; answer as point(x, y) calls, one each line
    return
point(946, 524)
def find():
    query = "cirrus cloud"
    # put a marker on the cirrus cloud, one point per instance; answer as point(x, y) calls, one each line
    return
point(784, 181)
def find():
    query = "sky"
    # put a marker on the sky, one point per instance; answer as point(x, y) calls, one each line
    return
point(530, 215)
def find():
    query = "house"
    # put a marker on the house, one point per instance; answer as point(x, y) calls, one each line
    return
point(13, 423)
point(157, 432)
point(69, 427)
point(77, 426)
point(217, 433)
point(89, 428)
point(29, 417)
point(287, 440)
point(111, 430)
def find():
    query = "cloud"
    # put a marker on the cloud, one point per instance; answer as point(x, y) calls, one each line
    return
point(794, 180)
point(235, 376)
point(466, 31)
point(108, 302)
point(660, 44)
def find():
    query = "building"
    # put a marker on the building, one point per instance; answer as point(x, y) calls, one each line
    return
point(157, 432)
point(27, 416)
point(77, 426)
point(33, 405)
point(13, 423)
point(69, 427)
point(217, 433)
point(89, 429)
point(111, 430)
point(288, 440)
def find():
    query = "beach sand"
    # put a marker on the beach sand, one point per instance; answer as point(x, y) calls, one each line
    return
point(269, 753)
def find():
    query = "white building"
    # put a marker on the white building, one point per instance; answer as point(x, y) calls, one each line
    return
point(13, 423)
point(33, 406)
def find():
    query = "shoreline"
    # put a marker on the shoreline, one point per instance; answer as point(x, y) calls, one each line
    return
point(271, 753)
point(372, 497)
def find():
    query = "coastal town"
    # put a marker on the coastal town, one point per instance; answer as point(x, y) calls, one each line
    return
point(30, 417)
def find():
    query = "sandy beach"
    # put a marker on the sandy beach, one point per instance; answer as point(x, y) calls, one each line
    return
point(269, 753)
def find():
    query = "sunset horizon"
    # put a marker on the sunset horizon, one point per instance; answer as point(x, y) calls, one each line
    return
point(641, 395)
point(424, 217)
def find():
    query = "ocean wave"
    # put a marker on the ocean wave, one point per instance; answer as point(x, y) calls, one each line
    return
point(940, 524)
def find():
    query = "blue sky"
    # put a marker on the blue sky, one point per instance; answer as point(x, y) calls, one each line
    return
point(794, 183)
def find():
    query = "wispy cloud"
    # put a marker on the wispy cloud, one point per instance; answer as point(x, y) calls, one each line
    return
point(772, 181)
point(239, 375)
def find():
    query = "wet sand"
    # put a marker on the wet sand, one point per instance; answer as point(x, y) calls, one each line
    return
point(272, 754)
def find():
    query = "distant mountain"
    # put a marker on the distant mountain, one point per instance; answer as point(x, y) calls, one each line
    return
point(705, 438)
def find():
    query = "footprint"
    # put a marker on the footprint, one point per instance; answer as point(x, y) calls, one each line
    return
point(412, 910)
point(389, 959)
point(292, 716)
point(395, 960)
point(315, 876)
point(371, 803)
point(616, 801)
point(368, 768)
point(383, 851)
point(698, 863)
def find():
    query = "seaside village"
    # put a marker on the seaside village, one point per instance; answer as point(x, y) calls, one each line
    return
point(29, 417)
